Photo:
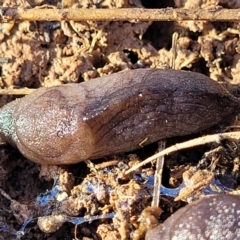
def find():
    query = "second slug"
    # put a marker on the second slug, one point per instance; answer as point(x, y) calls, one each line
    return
point(212, 217)
point(74, 122)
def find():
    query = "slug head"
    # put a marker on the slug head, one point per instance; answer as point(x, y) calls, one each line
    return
point(48, 128)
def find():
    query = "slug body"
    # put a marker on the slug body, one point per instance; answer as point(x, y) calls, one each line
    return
point(213, 217)
point(74, 122)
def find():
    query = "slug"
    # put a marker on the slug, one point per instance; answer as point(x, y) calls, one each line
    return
point(212, 217)
point(113, 114)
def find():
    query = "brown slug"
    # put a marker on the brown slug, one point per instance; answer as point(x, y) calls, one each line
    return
point(112, 114)
point(212, 217)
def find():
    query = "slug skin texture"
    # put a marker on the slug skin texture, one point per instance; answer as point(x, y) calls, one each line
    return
point(70, 123)
point(213, 217)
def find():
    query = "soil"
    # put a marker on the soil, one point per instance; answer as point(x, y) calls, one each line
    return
point(52, 199)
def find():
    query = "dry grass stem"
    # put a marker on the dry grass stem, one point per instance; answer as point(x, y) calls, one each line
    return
point(174, 50)
point(188, 144)
point(21, 91)
point(120, 14)
point(158, 175)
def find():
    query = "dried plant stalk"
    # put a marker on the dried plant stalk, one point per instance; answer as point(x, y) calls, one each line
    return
point(188, 144)
point(158, 175)
point(121, 14)
point(22, 91)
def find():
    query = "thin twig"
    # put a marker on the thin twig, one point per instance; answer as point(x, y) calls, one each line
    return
point(174, 50)
point(158, 176)
point(188, 144)
point(5, 194)
point(119, 14)
point(21, 91)
point(106, 164)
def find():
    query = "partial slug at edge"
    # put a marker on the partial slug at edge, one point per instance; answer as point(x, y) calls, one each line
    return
point(212, 217)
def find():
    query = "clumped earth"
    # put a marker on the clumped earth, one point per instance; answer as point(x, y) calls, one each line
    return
point(53, 53)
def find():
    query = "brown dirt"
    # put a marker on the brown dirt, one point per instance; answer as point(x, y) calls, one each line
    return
point(53, 53)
